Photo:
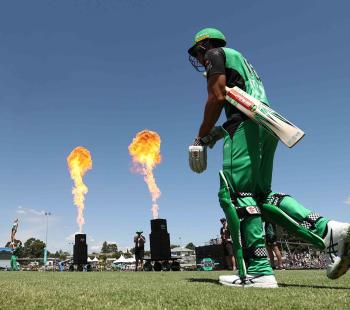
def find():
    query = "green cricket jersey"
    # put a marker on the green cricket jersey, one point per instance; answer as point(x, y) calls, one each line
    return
point(239, 72)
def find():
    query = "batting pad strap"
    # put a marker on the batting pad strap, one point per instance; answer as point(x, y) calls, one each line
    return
point(235, 195)
point(276, 199)
point(254, 252)
point(244, 212)
point(310, 221)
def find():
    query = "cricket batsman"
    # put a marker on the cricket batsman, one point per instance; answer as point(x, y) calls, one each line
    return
point(245, 193)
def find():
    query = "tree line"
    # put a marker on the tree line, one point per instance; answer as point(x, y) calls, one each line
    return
point(34, 248)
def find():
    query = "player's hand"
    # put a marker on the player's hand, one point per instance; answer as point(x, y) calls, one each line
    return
point(215, 135)
point(197, 156)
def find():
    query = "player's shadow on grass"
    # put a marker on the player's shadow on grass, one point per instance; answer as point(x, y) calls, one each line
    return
point(203, 280)
point(213, 281)
point(314, 286)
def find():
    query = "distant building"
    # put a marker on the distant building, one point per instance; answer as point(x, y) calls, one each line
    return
point(180, 252)
point(186, 257)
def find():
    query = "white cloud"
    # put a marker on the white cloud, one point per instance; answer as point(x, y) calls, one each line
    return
point(32, 223)
point(95, 248)
point(33, 216)
point(71, 237)
point(35, 212)
point(347, 201)
point(90, 239)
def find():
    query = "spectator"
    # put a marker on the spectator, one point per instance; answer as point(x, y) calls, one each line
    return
point(226, 242)
point(271, 245)
point(139, 241)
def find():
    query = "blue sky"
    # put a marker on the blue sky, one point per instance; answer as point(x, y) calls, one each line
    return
point(94, 73)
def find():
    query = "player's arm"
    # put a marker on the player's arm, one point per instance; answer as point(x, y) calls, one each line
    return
point(215, 69)
point(214, 104)
point(214, 61)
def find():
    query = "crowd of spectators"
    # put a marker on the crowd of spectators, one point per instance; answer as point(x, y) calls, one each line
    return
point(297, 254)
point(304, 260)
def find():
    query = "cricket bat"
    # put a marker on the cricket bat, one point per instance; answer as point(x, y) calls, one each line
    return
point(266, 117)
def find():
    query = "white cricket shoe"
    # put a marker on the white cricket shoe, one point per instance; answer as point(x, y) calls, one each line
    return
point(261, 281)
point(337, 242)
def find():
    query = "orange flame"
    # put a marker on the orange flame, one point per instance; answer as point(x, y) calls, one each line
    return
point(79, 162)
point(145, 152)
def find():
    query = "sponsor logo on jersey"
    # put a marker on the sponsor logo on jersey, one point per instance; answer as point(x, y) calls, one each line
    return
point(252, 210)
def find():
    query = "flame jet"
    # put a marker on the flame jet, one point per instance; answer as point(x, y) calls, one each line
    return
point(79, 162)
point(145, 153)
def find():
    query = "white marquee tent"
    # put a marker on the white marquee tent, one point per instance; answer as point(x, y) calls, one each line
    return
point(123, 260)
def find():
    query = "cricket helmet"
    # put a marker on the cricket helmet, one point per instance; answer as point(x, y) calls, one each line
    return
point(204, 34)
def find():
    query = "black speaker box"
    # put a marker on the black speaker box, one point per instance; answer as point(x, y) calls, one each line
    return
point(160, 246)
point(159, 240)
point(80, 250)
point(159, 226)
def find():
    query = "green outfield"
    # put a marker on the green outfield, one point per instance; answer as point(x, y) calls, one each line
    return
point(167, 290)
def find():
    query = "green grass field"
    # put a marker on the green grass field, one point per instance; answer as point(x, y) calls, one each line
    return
point(167, 290)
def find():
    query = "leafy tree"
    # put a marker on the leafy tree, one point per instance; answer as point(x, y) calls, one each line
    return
point(112, 248)
point(34, 248)
point(104, 248)
point(174, 246)
point(117, 254)
point(61, 255)
point(190, 246)
point(19, 252)
point(103, 257)
point(109, 248)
